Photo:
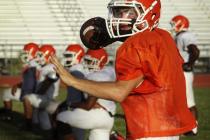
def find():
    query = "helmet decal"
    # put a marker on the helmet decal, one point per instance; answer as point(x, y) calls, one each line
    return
point(95, 60)
point(45, 51)
point(179, 23)
point(73, 55)
point(29, 52)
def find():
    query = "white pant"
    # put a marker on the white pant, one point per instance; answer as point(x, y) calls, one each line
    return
point(39, 101)
point(189, 89)
point(7, 94)
point(161, 138)
point(52, 106)
point(97, 120)
point(40, 115)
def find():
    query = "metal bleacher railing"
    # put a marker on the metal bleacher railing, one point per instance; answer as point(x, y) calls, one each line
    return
point(58, 22)
point(27, 21)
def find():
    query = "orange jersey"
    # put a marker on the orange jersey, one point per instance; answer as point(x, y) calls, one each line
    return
point(158, 106)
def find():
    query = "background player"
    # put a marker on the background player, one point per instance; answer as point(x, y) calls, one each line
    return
point(29, 75)
point(186, 43)
point(94, 113)
point(47, 89)
point(72, 61)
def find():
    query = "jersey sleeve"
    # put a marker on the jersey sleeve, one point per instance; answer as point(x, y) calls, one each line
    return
point(78, 74)
point(98, 76)
point(51, 73)
point(33, 63)
point(189, 39)
point(138, 57)
point(128, 64)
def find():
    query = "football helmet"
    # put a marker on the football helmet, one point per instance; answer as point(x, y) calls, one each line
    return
point(95, 59)
point(45, 51)
point(29, 52)
point(127, 17)
point(179, 23)
point(73, 55)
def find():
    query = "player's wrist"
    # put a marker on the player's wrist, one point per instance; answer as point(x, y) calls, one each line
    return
point(187, 67)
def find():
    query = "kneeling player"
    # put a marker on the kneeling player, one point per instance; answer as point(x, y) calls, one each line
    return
point(46, 91)
point(94, 114)
point(28, 83)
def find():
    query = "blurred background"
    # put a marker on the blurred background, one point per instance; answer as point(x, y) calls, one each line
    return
point(58, 22)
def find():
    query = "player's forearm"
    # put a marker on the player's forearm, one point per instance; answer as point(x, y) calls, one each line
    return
point(193, 53)
point(82, 105)
point(116, 91)
point(79, 105)
point(106, 90)
point(87, 104)
point(19, 85)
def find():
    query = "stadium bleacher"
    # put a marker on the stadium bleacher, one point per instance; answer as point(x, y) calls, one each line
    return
point(58, 22)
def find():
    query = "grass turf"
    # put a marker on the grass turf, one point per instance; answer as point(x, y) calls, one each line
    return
point(10, 131)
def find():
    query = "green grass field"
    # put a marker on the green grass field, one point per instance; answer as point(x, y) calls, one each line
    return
point(10, 131)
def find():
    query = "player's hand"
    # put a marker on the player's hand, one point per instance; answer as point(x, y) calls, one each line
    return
point(14, 89)
point(65, 76)
point(62, 107)
point(187, 67)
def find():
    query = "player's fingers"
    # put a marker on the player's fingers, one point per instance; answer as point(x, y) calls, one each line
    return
point(56, 70)
point(54, 61)
point(59, 69)
point(58, 66)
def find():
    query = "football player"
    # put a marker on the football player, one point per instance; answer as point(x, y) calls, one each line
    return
point(150, 84)
point(47, 89)
point(94, 113)
point(29, 75)
point(187, 46)
point(72, 61)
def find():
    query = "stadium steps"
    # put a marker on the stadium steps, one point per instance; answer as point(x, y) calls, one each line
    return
point(69, 16)
point(27, 21)
point(58, 21)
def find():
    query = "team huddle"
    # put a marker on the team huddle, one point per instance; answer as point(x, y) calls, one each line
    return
point(152, 78)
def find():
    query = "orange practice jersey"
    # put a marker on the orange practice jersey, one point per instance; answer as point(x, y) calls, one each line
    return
point(158, 106)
